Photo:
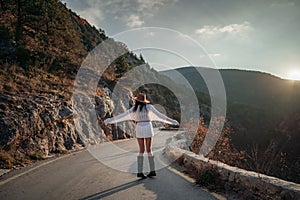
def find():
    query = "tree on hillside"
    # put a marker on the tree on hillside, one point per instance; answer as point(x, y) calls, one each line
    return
point(2, 4)
point(46, 35)
point(122, 65)
point(141, 58)
point(223, 151)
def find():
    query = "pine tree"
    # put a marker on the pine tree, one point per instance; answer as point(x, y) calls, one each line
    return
point(141, 58)
point(122, 65)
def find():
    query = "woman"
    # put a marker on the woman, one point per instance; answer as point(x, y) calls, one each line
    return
point(143, 113)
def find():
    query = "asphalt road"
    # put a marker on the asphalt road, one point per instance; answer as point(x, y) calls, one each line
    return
point(81, 176)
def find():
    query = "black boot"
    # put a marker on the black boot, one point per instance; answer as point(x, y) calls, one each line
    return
point(140, 160)
point(152, 166)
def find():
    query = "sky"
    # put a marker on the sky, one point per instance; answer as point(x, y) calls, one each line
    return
point(260, 35)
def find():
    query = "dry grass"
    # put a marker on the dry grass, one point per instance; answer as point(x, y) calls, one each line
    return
point(223, 150)
point(15, 81)
point(6, 160)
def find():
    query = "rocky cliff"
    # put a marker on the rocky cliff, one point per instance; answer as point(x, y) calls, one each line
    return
point(37, 125)
point(42, 45)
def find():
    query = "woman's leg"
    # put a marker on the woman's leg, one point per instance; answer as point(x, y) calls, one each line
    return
point(150, 157)
point(141, 146)
point(140, 158)
point(149, 146)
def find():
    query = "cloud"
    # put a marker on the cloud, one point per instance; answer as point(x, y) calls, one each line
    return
point(93, 15)
point(134, 21)
point(211, 55)
point(209, 31)
point(150, 34)
point(132, 13)
point(214, 54)
point(283, 4)
point(140, 10)
point(149, 5)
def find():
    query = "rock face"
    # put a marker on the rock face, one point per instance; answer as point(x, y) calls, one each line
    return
point(37, 125)
point(123, 129)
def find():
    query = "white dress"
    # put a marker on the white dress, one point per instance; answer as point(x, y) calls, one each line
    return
point(143, 120)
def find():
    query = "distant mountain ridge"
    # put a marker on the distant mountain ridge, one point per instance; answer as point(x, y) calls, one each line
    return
point(246, 87)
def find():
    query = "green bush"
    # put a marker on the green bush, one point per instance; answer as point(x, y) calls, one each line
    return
point(60, 151)
point(36, 156)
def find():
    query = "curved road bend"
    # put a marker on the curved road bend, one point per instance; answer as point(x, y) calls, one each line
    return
point(80, 176)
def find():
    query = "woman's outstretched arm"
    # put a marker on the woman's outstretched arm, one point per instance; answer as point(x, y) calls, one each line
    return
point(157, 116)
point(119, 118)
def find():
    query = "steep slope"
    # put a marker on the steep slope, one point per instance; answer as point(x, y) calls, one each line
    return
point(42, 45)
point(45, 34)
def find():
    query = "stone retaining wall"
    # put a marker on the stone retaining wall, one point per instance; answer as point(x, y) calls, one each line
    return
point(236, 179)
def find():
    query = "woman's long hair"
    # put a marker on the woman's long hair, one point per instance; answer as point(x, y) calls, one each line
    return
point(140, 105)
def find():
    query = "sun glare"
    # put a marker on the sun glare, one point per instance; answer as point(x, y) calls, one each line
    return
point(294, 75)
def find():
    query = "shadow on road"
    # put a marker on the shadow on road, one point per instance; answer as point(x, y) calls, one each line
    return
point(166, 185)
point(111, 191)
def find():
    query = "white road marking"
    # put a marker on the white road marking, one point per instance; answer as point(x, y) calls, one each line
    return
point(32, 169)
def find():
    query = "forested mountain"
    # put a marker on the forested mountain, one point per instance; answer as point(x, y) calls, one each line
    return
point(263, 111)
point(242, 86)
